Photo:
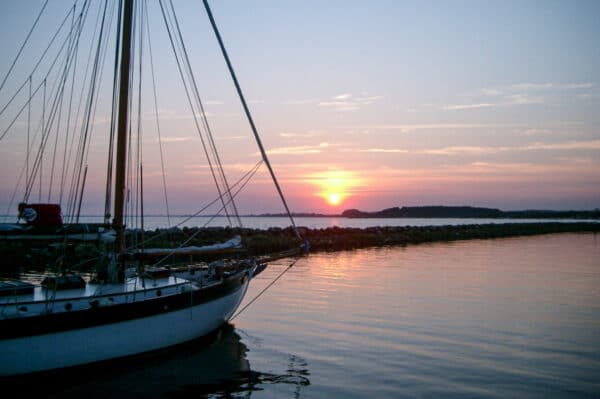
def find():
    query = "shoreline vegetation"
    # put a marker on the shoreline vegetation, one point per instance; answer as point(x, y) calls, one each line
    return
point(262, 242)
point(439, 211)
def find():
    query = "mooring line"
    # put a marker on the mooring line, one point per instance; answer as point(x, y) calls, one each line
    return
point(265, 289)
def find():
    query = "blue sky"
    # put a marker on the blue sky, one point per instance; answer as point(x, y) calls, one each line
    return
point(385, 103)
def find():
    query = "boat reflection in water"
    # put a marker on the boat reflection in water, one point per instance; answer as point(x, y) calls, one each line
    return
point(215, 366)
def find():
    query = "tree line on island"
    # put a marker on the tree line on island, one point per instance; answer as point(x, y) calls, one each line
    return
point(439, 211)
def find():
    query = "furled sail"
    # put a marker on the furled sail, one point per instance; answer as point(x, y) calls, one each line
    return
point(232, 245)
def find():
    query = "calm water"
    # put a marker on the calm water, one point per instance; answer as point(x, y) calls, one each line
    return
point(257, 222)
point(503, 318)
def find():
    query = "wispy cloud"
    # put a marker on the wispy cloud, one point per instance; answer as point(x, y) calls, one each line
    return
point(490, 92)
point(572, 145)
point(174, 139)
point(529, 87)
point(384, 150)
point(552, 86)
point(299, 102)
point(298, 150)
point(431, 126)
point(231, 137)
point(467, 106)
point(303, 135)
point(521, 99)
point(175, 115)
point(348, 102)
point(587, 96)
point(343, 96)
point(578, 160)
point(455, 150)
point(505, 101)
point(474, 150)
point(535, 132)
point(517, 95)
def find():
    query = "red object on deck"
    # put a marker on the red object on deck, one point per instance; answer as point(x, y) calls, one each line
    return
point(41, 214)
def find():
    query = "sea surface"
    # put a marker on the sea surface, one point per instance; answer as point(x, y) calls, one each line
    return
point(499, 318)
point(261, 222)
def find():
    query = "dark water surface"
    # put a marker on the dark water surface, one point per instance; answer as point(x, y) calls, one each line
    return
point(502, 318)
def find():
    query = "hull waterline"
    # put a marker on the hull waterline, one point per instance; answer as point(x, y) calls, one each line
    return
point(67, 348)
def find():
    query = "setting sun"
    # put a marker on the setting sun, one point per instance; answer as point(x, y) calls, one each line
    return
point(335, 186)
point(334, 198)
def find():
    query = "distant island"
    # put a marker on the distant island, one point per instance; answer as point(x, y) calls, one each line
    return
point(439, 211)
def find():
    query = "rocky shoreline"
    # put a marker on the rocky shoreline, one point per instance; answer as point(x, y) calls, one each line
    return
point(270, 243)
point(261, 242)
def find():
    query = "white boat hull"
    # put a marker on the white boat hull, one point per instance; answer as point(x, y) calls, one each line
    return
point(22, 355)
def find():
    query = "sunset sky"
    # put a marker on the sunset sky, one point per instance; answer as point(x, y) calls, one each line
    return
point(359, 104)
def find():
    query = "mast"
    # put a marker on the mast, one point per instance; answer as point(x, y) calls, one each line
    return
point(122, 123)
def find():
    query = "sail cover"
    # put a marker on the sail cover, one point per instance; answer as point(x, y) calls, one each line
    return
point(231, 245)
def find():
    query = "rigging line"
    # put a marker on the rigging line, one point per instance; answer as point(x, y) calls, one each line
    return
point(162, 161)
point(68, 63)
point(209, 221)
point(47, 122)
point(133, 195)
point(181, 49)
point(31, 177)
point(44, 135)
point(14, 193)
point(74, 37)
point(101, 62)
point(204, 118)
point(28, 136)
point(23, 45)
point(43, 139)
point(44, 54)
point(16, 94)
point(265, 289)
point(139, 181)
point(23, 170)
point(58, 89)
point(130, 169)
point(70, 109)
point(208, 158)
point(247, 176)
point(142, 207)
point(60, 109)
point(75, 146)
point(88, 112)
point(21, 110)
point(81, 194)
point(249, 116)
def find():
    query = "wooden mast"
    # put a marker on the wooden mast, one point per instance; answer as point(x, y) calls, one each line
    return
point(122, 124)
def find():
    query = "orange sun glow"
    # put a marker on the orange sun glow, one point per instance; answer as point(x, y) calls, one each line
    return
point(333, 198)
point(334, 185)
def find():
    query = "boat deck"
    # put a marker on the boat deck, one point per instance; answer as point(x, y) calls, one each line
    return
point(43, 300)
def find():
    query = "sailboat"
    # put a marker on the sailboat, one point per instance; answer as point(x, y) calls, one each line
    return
point(133, 298)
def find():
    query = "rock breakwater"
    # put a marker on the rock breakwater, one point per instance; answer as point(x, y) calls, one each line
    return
point(262, 242)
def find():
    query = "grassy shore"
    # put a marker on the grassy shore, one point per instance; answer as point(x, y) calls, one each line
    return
point(272, 240)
